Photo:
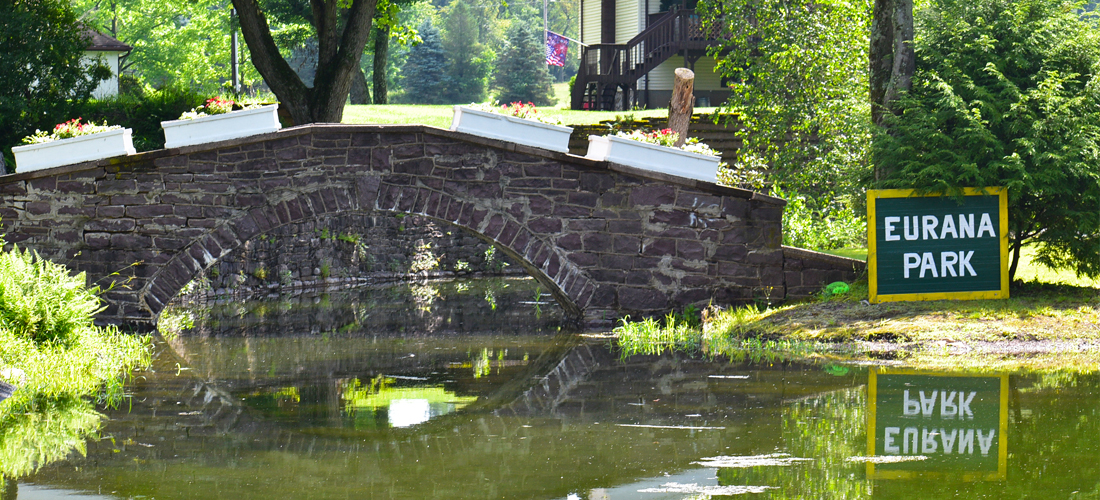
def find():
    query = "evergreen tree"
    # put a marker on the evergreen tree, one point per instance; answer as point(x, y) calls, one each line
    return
point(468, 61)
point(521, 74)
point(424, 74)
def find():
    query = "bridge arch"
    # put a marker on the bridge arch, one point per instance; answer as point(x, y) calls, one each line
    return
point(207, 250)
point(606, 239)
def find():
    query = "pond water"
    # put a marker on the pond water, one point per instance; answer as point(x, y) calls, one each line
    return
point(470, 390)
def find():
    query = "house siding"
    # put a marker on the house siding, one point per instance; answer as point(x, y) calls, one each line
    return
point(108, 87)
point(628, 19)
point(590, 22)
point(662, 77)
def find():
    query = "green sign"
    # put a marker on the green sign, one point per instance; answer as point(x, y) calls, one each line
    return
point(932, 247)
point(928, 423)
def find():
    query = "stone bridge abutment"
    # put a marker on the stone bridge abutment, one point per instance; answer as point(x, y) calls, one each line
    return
point(605, 239)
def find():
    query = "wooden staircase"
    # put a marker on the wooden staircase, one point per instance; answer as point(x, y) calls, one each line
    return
point(608, 69)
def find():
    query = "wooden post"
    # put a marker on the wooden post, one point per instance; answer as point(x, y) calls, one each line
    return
point(682, 104)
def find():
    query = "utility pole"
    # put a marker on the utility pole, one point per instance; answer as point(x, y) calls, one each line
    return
point(233, 62)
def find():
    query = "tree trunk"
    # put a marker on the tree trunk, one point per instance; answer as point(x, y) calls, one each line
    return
point(338, 55)
point(893, 61)
point(1017, 246)
point(381, 55)
point(360, 94)
point(682, 104)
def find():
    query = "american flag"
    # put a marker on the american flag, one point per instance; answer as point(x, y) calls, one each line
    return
point(556, 46)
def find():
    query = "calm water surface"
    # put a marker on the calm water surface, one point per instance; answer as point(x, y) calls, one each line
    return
point(469, 390)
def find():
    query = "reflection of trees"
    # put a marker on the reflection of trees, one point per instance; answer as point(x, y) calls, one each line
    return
point(43, 430)
point(829, 429)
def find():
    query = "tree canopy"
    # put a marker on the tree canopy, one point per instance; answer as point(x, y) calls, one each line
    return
point(175, 42)
point(797, 71)
point(1006, 94)
point(44, 80)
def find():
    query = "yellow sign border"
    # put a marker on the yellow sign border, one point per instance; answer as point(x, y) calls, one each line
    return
point(872, 255)
point(1002, 443)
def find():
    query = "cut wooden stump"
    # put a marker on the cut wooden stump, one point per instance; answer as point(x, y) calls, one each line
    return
point(682, 104)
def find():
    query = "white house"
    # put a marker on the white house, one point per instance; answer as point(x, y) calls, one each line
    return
point(109, 50)
point(633, 48)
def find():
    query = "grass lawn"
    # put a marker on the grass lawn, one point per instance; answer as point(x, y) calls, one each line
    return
point(439, 115)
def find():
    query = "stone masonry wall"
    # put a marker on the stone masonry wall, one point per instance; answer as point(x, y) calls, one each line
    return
point(354, 248)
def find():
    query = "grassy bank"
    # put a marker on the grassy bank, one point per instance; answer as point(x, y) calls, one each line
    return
point(60, 362)
point(1040, 319)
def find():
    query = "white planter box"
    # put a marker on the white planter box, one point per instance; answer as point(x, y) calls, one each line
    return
point(509, 128)
point(222, 127)
point(653, 157)
point(117, 142)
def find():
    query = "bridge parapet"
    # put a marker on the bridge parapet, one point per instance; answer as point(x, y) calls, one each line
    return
point(607, 240)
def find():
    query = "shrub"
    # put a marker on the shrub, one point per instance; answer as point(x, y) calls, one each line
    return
point(805, 225)
point(144, 112)
point(47, 336)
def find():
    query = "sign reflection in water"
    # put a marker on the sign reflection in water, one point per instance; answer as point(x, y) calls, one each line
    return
point(934, 423)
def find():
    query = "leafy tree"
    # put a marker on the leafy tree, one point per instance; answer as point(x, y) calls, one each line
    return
point(44, 80)
point(798, 79)
point(468, 61)
point(423, 77)
point(341, 27)
point(176, 42)
point(1006, 94)
point(521, 74)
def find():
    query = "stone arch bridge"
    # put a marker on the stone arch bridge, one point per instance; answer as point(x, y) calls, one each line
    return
point(607, 240)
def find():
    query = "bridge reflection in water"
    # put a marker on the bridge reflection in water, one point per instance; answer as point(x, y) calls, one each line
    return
point(483, 412)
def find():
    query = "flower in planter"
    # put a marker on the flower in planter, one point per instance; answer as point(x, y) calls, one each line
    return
point(526, 111)
point(739, 175)
point(213, 106)
point(666, 137)
point(67, 130)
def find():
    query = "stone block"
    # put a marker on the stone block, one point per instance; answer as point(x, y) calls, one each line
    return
point(38, 207)
point(569, 242)
point(672, 218)
point(658, 247)
point(584, 259)
point(641, 299)
point(692, 250)
point(597, 242)
point(145, 211)
point(653, 195)
point(110, 225)
point(595, 182)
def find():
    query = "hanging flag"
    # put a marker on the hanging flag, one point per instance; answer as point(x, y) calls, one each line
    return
point(556, 46)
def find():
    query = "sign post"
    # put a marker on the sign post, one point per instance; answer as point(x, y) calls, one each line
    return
point(938, 424)
point(931, 247)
